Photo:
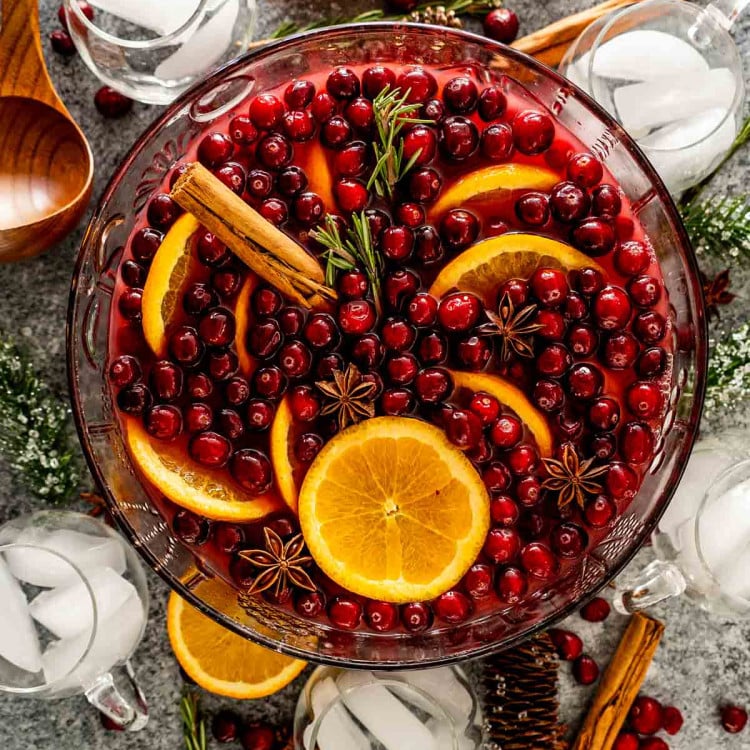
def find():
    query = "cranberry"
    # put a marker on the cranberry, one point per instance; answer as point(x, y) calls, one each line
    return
point(595, 237)
point(133, 274)
point(733, 719)
point(626, 741)
point(459, 228)
point(649, 327)
point(538, 560)
point(644, 399)
point(568, 425)
point(428, 247)
point(398, 335)
point(599, 511)
point(327, 364)
point(652, 362)
point(304, 403)
point(266, 111)
point(274, 211)
point(621, 481)
point(496, 477)
point(308, 208)
point(422, 309)
point(597, 610)
point(401, 369)
point(299, 125)
point(323, 106)
point(226, 726)
point(345, 612)
point(145, 243)
point(351, 194)
point(307, 446)
point(522, 459)
point(434, 110)
point(226, 281)
point(214, 149)
point(381, 616)
point(477, 582)
point(162, 211)
point(585, 381)
point(497, 142)
point(637, 442)
point(368, 351)
point(291, 181)
point(351, 160)
point(474, 352)
point(424, 185)
point(612, 308)
point(585, 170)
point(378, 221)
point(568, 645)
point(554, 360)
point(269, 382)
point(516, 289)
point(653, 743)
point(492, 103)
point(310, 603)
point(582, 340)
point(585, 670)
point(233, 176)
point(632, 258)
point(185, 347)
point(533, 132)
point(265, 338)
point(259, 183)
point(260, 414)
point(85, 8)
point(342, 83)
point(502, 545)
point(506, 432)
point(604, 414)
point(163, 422)
point(511, 585)
point(299, 94)
point(645, 716)
point(420, 84)
point(603, 446)
point(266, 301)
point(356, 317)
point(548, 395)
point(620, 351)
point(377, 78)
point(460, 95)
point(210, 449)
point(589, 281)
point(258, 736)
point(549, 286)
point(416, 616)
point(459, 311)
point(672, 719)
point(533, 209)
point(504, 511)
point(217, 327)
point(452, 607)
point(419, 145)
point(606, 201)
point(274, 151)
point(198, 417)
point(575, 306)
point(501, 24)
point(353, 284)
point(568, 202)
point(199, 385)
point(252, 470)
point(221, 365)
point(485, 406)
point(112, 104)
point(645, 290)
point(124, 371)
point(166, 380)
point(459, 138)
point(134, 399)
point(397, 401)
point(198, 299)
point(433, 349)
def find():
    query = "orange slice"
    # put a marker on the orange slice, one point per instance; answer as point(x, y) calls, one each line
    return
point(482, 268)
point(242, 317)
point(287, 471)
point(207, 492)
point(491, 182)
point(514, 398)
point(171, 266)
point(221, 661)
point(320, 178)
point(391, 510)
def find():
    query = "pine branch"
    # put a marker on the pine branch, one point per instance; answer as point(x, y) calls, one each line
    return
point(35, 429)
point(719, 227)
point(728, 376)
point(354, 250)
point(193, 724)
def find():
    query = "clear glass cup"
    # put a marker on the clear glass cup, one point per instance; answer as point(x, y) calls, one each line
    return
point(671, 75)
point(430, 709)
point(153, 51)
point(706, 554)
point(75, 604)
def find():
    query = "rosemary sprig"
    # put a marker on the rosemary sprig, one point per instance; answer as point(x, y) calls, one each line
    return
point(35, 436)
point(472, 8)
point(193, 724)
point(354, 250)
point(719, 226)
point(392, 112)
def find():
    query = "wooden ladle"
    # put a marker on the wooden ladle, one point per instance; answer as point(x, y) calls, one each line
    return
point(46, 166)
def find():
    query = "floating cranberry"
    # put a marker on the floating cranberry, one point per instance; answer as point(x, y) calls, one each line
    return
point(585, 170)
point(323, 106)
point(112, 104)
point(269, 382)
point(585, 670)
point(342, 83)
point(291, 181)
point(233, 176)
point(310, 603)
point(353, 284)
point(163, 422)
point(504, 510)
point(162, 211)
point(637, 442)
point(621, 481)
point(401, 369)
point(597, 610)
point(124, 371)
point(672, 720)
point(259, 413)
point(575, 306)
point(645, 716)
point(485, 406)
point(419, 144)
point(632, 258)
point(274, 151)
point(307, 446)
point(497, 142)
point(538, 560)
point(568, 425)
point(453, 607)
point(511, 585)
point(265, 338)
point(198, 299)
point(422, 309)
point(501, 24)
point(345, 612)
point(368, 351)
point(299, 125)
point(554, 360)
point(397, 401)
point(516, 289)
point(428, 246)
point(645, 290)
point(308, 208)
point(644, 399)
point(652, 362)
point(377, 78)
point(533, 209)
point(424, 185)
point(604, 414)
point(166, 380)
point(399, 286)
point(612, 308)
point(381, 616)
point(733, 719)
point(217, 327)
point(459, 311)
point(459, 228)
point(523, 459)
point(549, 286)
point(304, 403)
point(589, 281)
point(266, 111)
point(198, 416)
point(459, 138)
point(214, 149)
point(506, 432)
point(474, 352)
point(620, 351)
point(582, 340)
point(299, 94)
point(568, 645)
point(259, 183)
point(252, 470)
point(496, 477)
point(585, 381)
point(226, 726)
point(226, 281)
point(568, 202)
point(356, 317)
point(351, 194)
point(274, 211)
point(548, 395)
point(477, 582)
point(145, 243)
point(351, 160)
point(433, 349)
point(134, 399)
point(199, 385)
point(460, 95)
point(603, 446)
point(434, 110)
point(502, 545)
point(649, 327)
point(420, 84)
point(599, 511)
point(533, 132)
point(416, 616)
point(258, 736)
point(595, 237)
point(606, 201)
point(185, 347)
point(133, 274)
point(492, 103)
point(397, 334)
point(210, 449)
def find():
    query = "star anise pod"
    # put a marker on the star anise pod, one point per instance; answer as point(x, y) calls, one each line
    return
point(281, 564)
point(571, 478)
point(348, 397)
point(716, 292)
point(514, 329)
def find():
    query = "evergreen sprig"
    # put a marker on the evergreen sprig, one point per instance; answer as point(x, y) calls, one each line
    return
point(355, 250)
point(719, 227)
point(35, 429)
point(728, 377)
point(472, 8)
point(193, 724)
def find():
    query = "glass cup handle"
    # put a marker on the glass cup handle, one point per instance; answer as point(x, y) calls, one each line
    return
point(126, 707)
point(656, 582)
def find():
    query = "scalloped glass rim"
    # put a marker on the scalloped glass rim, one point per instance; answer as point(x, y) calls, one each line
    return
point(639, 532)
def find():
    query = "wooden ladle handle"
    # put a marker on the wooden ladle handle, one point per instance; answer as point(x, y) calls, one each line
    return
point(22, 69)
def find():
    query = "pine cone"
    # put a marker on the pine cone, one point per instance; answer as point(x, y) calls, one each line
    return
point(437, 16)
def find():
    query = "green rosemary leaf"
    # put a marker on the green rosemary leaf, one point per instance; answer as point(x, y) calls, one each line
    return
point(35, 435)
point(719, 226)
point(193, 724)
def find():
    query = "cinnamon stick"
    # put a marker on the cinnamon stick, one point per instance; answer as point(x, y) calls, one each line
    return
point(620, 684)
point(269, 252)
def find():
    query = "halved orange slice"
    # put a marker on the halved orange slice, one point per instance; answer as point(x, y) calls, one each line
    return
point(512, 397)
point(207, 492)
point(484, 267)
point(172, 265)
point(320, 178)
point(287, 471)
point(491, 182)
point(391, 510)
point(242, 320)
point(221, 661)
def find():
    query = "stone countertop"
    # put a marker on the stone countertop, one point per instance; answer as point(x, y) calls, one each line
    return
point(702, 661)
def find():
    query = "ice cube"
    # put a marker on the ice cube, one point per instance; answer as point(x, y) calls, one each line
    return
point(36, 566)
point(67, 611)
point(444, 736)
point(646, 54)
point(19, 641)
point(115, 640)
point(382, 714)
point(204, 49)
point(162, 17)
point(337, 729)
point(733, 577)
point(672, 98)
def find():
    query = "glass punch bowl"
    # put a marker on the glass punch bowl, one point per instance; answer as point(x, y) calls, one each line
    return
point(139, 176)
